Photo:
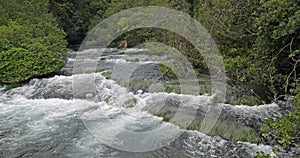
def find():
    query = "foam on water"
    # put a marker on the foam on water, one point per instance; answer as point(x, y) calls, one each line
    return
point(43, 119)
point(51, 127)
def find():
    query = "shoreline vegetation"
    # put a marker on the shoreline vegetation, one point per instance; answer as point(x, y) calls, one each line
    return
point(259, 41)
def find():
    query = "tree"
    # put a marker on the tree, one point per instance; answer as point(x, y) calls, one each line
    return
point(76, 17)
point(277, 41)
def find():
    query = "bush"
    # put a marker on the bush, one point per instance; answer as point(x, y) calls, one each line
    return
point(24, 57)
point(30, 43)
point(286, 130)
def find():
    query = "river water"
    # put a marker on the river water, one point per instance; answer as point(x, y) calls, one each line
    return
point(44, 119)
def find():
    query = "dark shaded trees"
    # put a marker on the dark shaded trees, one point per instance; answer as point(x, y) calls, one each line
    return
point(76, 17)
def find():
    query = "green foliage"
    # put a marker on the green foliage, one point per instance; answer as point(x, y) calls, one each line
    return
point(166, 71)
point(230, 23)
point(247, 100)
point(285, 130)
point(30, 43)
point(166, 117)
point(227, 130)
point(251, 100)
point(106, 74)
point(217, 99)
point(99, 70)
point(237, 66)
point(76, 17)
point(262, 154)
point(116, 6)
point(130, 103)
point(107, 99)
point(174, 89)
point(259, 41)
point(255, 37)
point(276, 50)
point(297, 100)
point(11, 86)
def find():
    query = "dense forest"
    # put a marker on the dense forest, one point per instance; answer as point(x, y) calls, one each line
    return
point(259, 41)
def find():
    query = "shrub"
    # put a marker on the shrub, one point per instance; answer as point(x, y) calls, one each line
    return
point(30, 43)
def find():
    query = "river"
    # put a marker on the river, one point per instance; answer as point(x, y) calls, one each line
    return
point(44, 119)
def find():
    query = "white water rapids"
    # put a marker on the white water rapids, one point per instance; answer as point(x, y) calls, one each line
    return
point(41, 119)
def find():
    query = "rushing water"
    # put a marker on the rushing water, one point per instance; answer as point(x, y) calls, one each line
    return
point(43, 119)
